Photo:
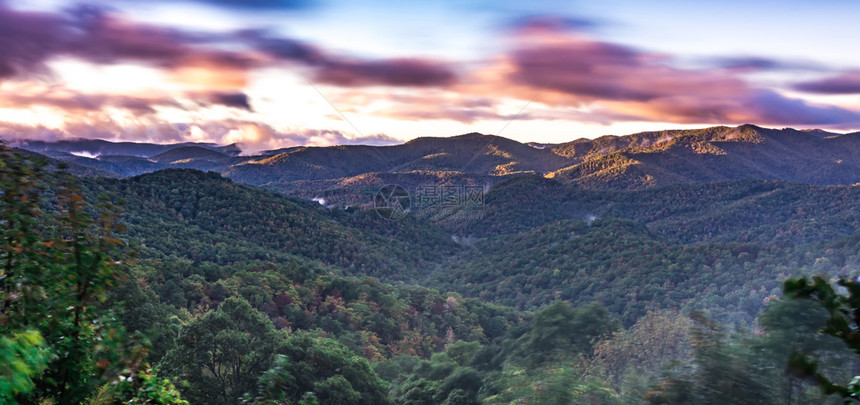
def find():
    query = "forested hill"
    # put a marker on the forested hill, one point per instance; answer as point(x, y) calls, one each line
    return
point(636, 161)
point(206, 218)
point(718, 153)
point(727, 211)
point(536, 241)
point(237, 294)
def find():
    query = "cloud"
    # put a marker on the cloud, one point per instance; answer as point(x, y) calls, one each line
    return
point(771, 107)
point(468, 109)
point(263, 5)
point(749, 63)
point(758, 63)
point(28, 94)
point(574, 77)
point(251, 137)
point(235, 100)
point(543, 23)
point(846, 83)
point(594, 70)
point(12, 132)
point(282, 48)
point(26, 40)
point(353, 72)
point(30, 39)
point(389, 72)
point(630, 84)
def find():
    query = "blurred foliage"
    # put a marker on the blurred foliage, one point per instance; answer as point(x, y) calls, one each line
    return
point(23, 357)
point(58, 343)
point(841, 320)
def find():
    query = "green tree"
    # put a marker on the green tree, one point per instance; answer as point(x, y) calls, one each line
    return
point(23, 357)
point(220, 355)
point(721, 372)
point(842, 321)
point(57, 267)
point(556, 384)
point(90, 343)
point(560, 331)
point(791, 326)
point(322, 367)
point(633, 359)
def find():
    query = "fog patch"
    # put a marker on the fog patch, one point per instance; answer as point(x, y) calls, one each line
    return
point(85, 154)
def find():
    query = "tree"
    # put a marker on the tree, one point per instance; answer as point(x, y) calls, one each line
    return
point(220, 355)
point(23, 356)
point(90, 343)
point(322, 367)
point(59, 344)
point(633, 359)
point(560, 331)
point(791, 326)
point(720, 372)
point(842, 321)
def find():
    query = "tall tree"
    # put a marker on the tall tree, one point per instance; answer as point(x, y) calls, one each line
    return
point(322, 368)
point(221, 354)
point(720, 372)
point(57, 266)
point(560, 331)
point(842, 321)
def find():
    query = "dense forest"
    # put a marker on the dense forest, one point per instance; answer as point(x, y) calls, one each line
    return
point(181, 286)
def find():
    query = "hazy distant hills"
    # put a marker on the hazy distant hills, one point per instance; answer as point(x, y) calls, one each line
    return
point(130, 158)
point(636, 161)
point(70, 166)
point(97, 147)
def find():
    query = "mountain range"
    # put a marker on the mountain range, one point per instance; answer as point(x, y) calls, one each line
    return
point(346, 174)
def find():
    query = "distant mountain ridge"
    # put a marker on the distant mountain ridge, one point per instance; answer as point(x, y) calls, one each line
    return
point(97, 147)
point(636, 161)
point(714, 154)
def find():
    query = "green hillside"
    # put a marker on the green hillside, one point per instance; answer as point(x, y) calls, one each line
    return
point(728, 211)
point(223, 292)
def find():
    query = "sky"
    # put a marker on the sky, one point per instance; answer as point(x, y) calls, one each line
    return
point(268, 74)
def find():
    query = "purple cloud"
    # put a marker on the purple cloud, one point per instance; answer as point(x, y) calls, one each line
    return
point(259, 4)
point(389, 72)
point(235, 100)
point(774, 108)
point(80, 102)
point(645, 86)
point(758, 63)
point(29, 39)
point(846, 83)
point(351, 72)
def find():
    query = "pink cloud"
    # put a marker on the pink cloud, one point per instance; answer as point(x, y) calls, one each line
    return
point(580, 71)
point(251, 137)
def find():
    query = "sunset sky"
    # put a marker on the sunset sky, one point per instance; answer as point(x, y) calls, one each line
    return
point(271, 74)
